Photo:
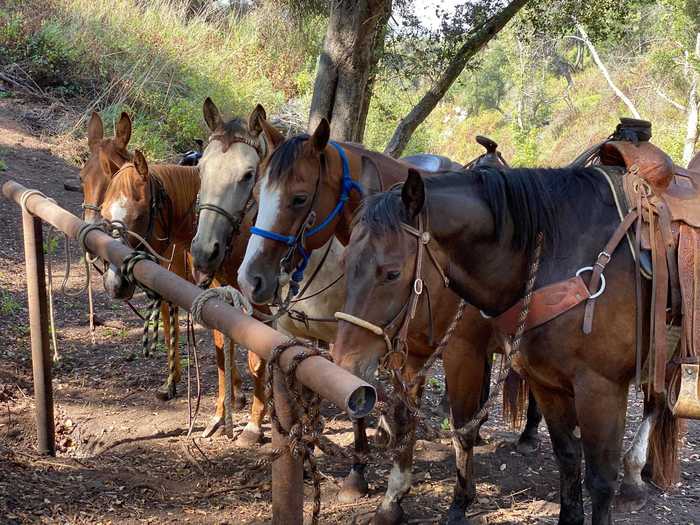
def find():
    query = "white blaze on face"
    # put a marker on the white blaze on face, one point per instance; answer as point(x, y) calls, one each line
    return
point(268, 211)
point(118, 209)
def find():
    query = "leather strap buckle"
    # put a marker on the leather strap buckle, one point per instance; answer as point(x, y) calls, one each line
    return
point(602, 281)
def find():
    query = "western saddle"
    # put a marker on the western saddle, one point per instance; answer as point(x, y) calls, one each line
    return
point(663, 203)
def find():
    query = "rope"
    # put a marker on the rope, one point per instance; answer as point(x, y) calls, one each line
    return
point(30, 193)
point(236, 299)
point(515, 342)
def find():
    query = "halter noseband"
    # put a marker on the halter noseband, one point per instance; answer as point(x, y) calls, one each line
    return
point(307, 228)
point(397, 344)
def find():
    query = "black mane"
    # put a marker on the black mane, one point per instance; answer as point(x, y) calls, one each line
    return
point(284, 156)
point(529, 198)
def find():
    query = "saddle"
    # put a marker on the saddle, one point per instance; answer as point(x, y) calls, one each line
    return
point(665, 199)
point(492, 157)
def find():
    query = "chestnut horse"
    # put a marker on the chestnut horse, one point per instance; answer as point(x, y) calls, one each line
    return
point(159, 206)
point(309, 177)
point(483, 227)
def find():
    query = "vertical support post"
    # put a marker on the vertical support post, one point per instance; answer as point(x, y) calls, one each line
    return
point(39, 327)
point(287, 472)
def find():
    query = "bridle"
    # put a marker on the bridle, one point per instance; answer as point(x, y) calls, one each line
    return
point(233, 220)
point(396, 344)
point(308, 228)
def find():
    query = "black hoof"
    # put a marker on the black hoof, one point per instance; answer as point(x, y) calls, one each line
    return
point(166, 392)
point(391, 515)
point(354, 487)
point(631, 498)
point(527, 445)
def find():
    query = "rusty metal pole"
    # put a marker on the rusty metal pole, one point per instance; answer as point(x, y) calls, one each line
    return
point(39, 328)
point(287, 471)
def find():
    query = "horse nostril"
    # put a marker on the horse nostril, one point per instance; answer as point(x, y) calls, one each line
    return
point(257, 283)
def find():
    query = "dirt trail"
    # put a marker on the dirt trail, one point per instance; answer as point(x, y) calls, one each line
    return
point(124, 456)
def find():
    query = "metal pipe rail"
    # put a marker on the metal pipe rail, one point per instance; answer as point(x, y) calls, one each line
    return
point(331, 382)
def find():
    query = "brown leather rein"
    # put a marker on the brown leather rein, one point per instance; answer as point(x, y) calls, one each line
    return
point(396, 338)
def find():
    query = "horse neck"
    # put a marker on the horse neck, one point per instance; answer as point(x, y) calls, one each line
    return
point(181, 185)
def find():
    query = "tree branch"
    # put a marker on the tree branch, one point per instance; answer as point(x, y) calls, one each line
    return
point(668, 99)
point(606, 74)
point(478, 38)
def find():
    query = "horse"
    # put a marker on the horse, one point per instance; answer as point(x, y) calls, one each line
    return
point(303, 179)
point(159, 206)
point(484, 229)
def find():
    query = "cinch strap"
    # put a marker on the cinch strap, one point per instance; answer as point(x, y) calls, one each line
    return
point(296, 241)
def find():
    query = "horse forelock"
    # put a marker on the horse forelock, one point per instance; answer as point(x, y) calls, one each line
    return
point(283, 158)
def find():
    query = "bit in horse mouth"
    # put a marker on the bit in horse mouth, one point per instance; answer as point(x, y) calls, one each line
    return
point(202, 279)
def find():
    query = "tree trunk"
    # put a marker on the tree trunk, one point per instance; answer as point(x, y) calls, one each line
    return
point(604, 71)
point(478, 38)
point(691, 134)
point(351, 49)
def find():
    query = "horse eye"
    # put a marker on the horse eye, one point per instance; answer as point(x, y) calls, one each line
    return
point(299, 200)
point(393, 275)
point(249, 175)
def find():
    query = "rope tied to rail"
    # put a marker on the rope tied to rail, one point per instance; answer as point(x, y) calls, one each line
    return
point(515, 342)
point(235, 298)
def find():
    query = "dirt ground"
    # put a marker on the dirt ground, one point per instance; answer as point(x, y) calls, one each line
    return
point(124, 456)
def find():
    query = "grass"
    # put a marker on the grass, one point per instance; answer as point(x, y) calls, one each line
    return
point(8, 304)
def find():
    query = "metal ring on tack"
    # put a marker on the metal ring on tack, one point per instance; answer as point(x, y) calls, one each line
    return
point(602, 281)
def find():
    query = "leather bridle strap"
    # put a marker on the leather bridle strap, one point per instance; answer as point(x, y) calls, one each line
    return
point(235, 222)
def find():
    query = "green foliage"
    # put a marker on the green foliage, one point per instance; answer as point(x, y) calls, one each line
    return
point(3, 165)
point(8, 304)
point(50, 246)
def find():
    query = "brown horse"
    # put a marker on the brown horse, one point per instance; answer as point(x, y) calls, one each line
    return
point(159, 206)
point(482, 229)
point(303, 178)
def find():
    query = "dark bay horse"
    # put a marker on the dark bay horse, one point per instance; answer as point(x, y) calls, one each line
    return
point(159, 205)
point(309, 177)
point(483, 227)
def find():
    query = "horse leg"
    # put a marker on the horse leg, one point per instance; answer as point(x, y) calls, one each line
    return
point(560, 415)
point(465, 376)
point(632, 495)
point(171, 337)
point(355, 485)
point(485, 394)
point(529, 441)
point(389, 511)
point(218, 419)
point(601, 408)
point(252, 433)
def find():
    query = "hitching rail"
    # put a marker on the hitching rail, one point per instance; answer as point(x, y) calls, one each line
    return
point(331, 382)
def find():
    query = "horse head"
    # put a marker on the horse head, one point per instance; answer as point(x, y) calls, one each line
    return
point(228, 171)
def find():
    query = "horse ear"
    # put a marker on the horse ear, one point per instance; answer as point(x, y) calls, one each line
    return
point(255, 118)
point(95, 130)
point(272, 135)
point(413, 193)
point(212, 115)
point(141, 164)
point(122, 132)
point(319, 140)
point(371, 182)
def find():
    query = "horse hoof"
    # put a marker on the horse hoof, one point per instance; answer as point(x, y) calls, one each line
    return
point(166, 392)
point(248, 439)
point(527, 446)
point(389, 515)
point(354, 487)
point(631, 498)
point(214, 424)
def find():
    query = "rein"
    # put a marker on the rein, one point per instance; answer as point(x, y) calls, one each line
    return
point(307, 228)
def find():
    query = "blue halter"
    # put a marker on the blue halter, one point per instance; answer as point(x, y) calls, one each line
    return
point(296, 242)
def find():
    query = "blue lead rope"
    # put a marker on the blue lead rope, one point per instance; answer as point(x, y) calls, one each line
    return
point(348, 184)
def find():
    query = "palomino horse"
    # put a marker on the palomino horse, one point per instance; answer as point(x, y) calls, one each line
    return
point(305, 178)
point(159, 206)
point(482, 229)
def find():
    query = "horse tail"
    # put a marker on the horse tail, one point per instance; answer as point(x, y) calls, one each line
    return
point(664, 443)
point(515, 393)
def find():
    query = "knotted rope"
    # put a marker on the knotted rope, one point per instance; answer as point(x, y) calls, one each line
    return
point(235, 298)
point(149, 340)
